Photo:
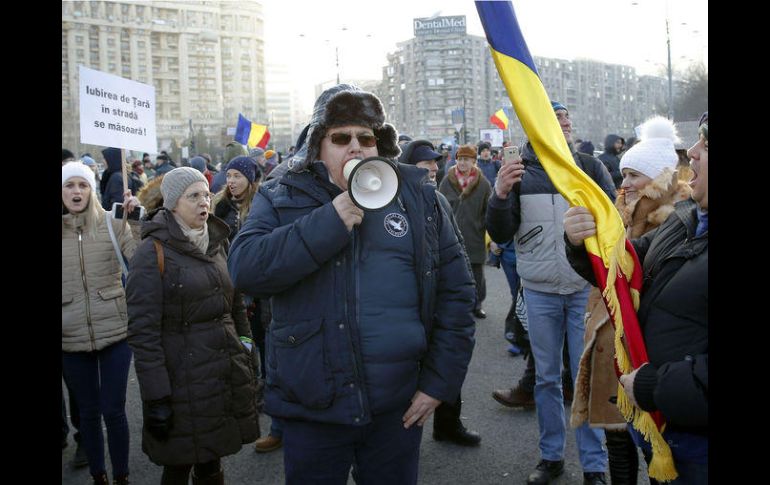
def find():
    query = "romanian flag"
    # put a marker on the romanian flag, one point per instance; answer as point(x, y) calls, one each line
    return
point(499, 119)
point(251, 134)
point(614, 261)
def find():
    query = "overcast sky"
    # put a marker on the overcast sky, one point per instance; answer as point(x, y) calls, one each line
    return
point(364, 31)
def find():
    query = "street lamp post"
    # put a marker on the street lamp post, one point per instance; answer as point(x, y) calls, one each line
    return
point(670, 75)
point(337, 58)
point(670, 82)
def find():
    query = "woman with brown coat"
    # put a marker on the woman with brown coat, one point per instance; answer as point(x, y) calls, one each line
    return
point(190, 337)
point(646, 198)
point(95, 355)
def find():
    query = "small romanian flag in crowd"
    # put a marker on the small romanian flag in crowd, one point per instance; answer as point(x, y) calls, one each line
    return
point(615, 264)
point(251, 134)
point(499, 119)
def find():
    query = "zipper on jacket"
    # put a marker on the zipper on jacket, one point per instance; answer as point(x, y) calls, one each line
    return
point(85, 289)
point(356, 371)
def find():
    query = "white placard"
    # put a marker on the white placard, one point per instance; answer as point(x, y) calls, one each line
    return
point(116, 112)
point(492, 136)
point(185, 152)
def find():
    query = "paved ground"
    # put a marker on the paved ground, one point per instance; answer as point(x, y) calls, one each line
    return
point(507, 454)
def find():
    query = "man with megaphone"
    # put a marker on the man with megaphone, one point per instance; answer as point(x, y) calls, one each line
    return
point(371, 296)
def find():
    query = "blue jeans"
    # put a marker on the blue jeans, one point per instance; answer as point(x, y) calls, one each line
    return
point(514, 332)
point(690, 452)
point(276, 428)
point(550, 316)
point(508, 263)
point(99, 380)
point(381, 452)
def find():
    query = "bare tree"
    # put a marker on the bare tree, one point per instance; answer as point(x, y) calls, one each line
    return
point(694, 98)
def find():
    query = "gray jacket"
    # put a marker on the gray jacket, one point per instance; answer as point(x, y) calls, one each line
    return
point(533, 215)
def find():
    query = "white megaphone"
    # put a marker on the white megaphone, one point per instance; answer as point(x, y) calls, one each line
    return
point(373, 182)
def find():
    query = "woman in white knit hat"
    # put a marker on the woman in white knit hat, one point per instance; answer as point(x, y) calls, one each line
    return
point(650, 187)
point(647, 195)
point(95, 354)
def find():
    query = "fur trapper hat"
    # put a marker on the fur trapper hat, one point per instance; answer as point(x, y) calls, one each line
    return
point(343, 105)
point(467, 151)
point(655, 151)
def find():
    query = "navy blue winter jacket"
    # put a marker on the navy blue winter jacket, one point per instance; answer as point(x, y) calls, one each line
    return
point(111, 184)
point(294, 248)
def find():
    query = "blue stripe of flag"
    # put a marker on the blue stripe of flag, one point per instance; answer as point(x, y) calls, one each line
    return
point(503, 32)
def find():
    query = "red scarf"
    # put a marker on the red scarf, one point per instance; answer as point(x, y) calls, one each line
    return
point(464, 180)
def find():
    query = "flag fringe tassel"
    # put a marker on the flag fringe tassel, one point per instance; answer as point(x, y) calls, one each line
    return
point(662, 465)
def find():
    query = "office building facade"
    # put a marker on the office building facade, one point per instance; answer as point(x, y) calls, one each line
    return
point(204, 58)
point(443, 69)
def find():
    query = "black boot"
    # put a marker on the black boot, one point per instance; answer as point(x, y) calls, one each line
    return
point(80, 459)
point(217, 478)
point(120, 480)
point(101, 479)
point(545, 472)
point(623, 457)
point(448, 427)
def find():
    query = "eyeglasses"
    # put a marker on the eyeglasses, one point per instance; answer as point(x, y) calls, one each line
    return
point(364, 139)
point(196, 197)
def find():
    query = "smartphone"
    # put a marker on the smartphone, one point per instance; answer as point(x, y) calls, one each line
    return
point(510, 153)
point(117, 212)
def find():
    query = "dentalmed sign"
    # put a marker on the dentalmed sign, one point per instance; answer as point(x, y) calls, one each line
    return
point(116, 112)
point(440, 25)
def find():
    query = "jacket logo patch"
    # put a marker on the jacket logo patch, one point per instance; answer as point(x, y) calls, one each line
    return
point(396, 224)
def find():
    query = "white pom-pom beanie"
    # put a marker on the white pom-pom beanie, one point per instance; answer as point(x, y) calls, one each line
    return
point(655, 152)
point(78, 169)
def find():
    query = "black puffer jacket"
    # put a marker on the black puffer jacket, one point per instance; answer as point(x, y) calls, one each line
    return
point(673, 315)
point(184, 329)
point(228, 212)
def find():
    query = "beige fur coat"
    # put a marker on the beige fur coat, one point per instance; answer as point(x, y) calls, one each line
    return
point(597, 381)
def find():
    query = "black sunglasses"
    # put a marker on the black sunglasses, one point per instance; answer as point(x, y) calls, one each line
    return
point(364, 139)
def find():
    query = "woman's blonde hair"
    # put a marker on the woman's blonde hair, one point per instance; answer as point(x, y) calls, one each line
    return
point(93, 215)
point(246, 199)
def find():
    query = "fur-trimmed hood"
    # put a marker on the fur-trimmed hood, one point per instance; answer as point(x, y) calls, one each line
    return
point(149, 196)
point(654, 205)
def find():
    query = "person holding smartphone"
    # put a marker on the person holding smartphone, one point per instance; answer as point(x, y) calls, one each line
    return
point(95, 353)
point(529, 210)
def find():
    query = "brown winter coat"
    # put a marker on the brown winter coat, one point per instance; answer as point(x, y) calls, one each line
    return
point(469, 207)
point(93, 303)
point(184, 329)
point(596, 378)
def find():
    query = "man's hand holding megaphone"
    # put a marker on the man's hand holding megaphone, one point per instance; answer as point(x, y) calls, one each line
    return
point(350, 213)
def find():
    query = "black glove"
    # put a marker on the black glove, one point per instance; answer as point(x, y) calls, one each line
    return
point(158, 418)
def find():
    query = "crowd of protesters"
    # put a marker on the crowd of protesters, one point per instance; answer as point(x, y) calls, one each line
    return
point(259, 288)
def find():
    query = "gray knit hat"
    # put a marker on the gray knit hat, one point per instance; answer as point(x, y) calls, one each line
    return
point(176, 182)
